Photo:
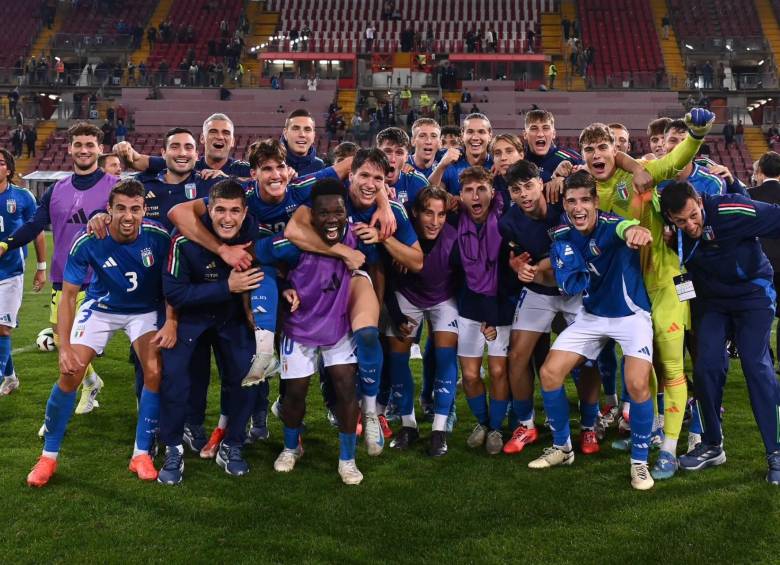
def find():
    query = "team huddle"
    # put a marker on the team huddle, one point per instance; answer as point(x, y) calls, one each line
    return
point(283, 265)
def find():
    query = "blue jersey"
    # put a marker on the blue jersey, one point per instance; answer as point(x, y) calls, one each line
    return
point(128, 276)
point(17, 206)
point(303, 164)
point(554, 157)
point(702, 180)
point(232, 167)
point(162, 196)
point(273, 218)
point(727, 262)
point(615, 287)
point(409, 184)
point(451, 177)
point(526, 234)
point(404, 231)
point(426, 172)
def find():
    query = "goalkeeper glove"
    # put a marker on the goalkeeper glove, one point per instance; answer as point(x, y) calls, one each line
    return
point(699, 122)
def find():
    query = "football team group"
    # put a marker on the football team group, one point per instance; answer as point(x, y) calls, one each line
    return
point(283, 265)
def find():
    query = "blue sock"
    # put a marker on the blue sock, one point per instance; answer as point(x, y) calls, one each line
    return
point(148, 419)
point(497, 413)
point(556, 405)
point(478, 407)
point(430, 359)
point(5, 352)
point(588, 414)
point(446, 379)
point(641, 429)
point(695, 425)
point(659, 398)
point(523, 410)
point(607, 364)
point(402, 382)
point(347, 444)
point(59, 410)
point(291, 437)
point(9, 366)
point(265, 300)
point(369, 359)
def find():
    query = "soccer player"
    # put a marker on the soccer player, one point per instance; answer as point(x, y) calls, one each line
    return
point(656, 131)
point(206, 294)
point(403, 179)
point(732, 278)
point(318, 327)
point(426, 141)
point(125, 294)
point(594, 251)
point(67, 206)
point(700, 178)
point(476, 137)
point(451, 137)
point(526, 227)
point(540, 140)
point(622, 136)
point(110, 163)
point(427, 294)
point(484, 308)
point(506, 149)
point(298, 139)
point(17, 206)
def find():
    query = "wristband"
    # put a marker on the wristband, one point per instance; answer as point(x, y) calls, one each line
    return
point(41, 266)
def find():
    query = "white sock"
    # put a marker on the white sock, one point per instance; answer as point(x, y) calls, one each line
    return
point(50, 454)
point(409, 421)
point(381, 409)
point(264, 341)
point(669, 445)
point(528, 423)
point(90, 380)
point(439, 422)
point(223, 421)
point(137, 452)
point(626, 410)
point(179, 448)
point(638, 462)
point(612, 400)
point(369, 404)
point(566, 446)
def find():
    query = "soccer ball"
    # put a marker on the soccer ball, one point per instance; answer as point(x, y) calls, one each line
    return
point(45, 340)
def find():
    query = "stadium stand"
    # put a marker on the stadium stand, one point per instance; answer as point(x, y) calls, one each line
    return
point(714, 18)
point(84, 19)
point(16, 39)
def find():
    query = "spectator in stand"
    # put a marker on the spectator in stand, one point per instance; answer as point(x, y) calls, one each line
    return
point(294, 35)
point(121, 131)
point(531, 40)
point(387, 9)
point(355, 125)
point(311, 84)
point(552, 72)
point(30, 137)
point(121, 113)
point(224, 31)
point(490, 44)
point(466, 96)
point(708, 72)
point(740, 131)
point(108, 133)
point(443, 108)
point(728, 133)
point(474, 109)
point(275, 84)
point(142, 73)
point(566, 24)
point(721, 76)
point(13, 100)
point(17, 141)
point(370, 31)
point(406, 97)
point(665, 25)
point(457, 112)
point(429, 39)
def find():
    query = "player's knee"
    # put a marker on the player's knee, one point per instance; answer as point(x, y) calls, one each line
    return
point(5, 331)
point(638, 389)
point(549, 377)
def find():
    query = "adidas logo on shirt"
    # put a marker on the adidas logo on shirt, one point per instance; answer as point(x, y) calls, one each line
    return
point(79, 217)
point(109, 263)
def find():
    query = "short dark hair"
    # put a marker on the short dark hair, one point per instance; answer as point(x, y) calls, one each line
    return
point(103, 156)
point(451, 130)
point(677, 125)
point(328, 187)
point(618, 125)
point(521, 171)
point(297, 113)
point(84, 128)
point(430, 192)
point(657, 126)
point(264, 150)
point(539, 115)
point(580, 179)
point(127, 187)
point(675, 196)
point(229, 189)
point(393, 135)
point(344, 149)
point(373, 156)
point(10, 163)
point(175, 131)
point(768, 164)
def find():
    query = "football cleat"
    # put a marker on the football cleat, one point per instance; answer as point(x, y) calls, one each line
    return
point(428, 412)
point(349, 473)
point(624, 426)
point(657, 438)
point(258, 427)
point(260, 369)
point(42, 430)
point(194, 437)
point(42, 472)
point(332, 420)
point(143, 466)
point(608, 415)
point(276, 407)
point(521, 437)
point(386, 431)
point(665, 466)
point(209, 450)
point(693, 440)
point(375, 439)
point(88, 401)
point(494, 442)
point(551, 457)
point(703, 456)
point(8, 385)
point(477, 436)
point(231, 460)
point(773, 474)
point(405, 438)
point(286, 460)
point(640, 477)
point(172, 471)
point(589, 443)
point(438, 447)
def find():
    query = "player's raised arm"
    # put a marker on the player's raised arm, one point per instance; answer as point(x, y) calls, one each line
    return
point(301, 233)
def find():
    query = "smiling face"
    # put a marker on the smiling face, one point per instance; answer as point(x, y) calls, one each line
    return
point(364, 184)
point(113, 165)
point(127, 213)
point(657, 145)
point(581, 208)
point(84, 150)
point(528, 196)
point(505, 155)
point(227, 215)
point(426, 142)
point(476, 197)
point(218, 140)
point(180, 154)
point(690, 219)
point(430, 221)
point(328, 217)
point(622, 142)
point(396, 155)
point(272, 178)
point(673, 138)
point(299, 134)
point(539, 136)
point(599, 157)
point(476, 137)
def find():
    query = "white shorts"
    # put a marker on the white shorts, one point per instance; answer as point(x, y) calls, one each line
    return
point(94, 329)
point(299, 361)
point(11, 300)
point(471, 342)
point(535, 312)
point(443, 316)
point(588, 335)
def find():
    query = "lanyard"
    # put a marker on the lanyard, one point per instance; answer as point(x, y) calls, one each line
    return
point(680, 248)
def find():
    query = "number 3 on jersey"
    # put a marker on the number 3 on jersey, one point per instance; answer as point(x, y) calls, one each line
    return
point(132, 278)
